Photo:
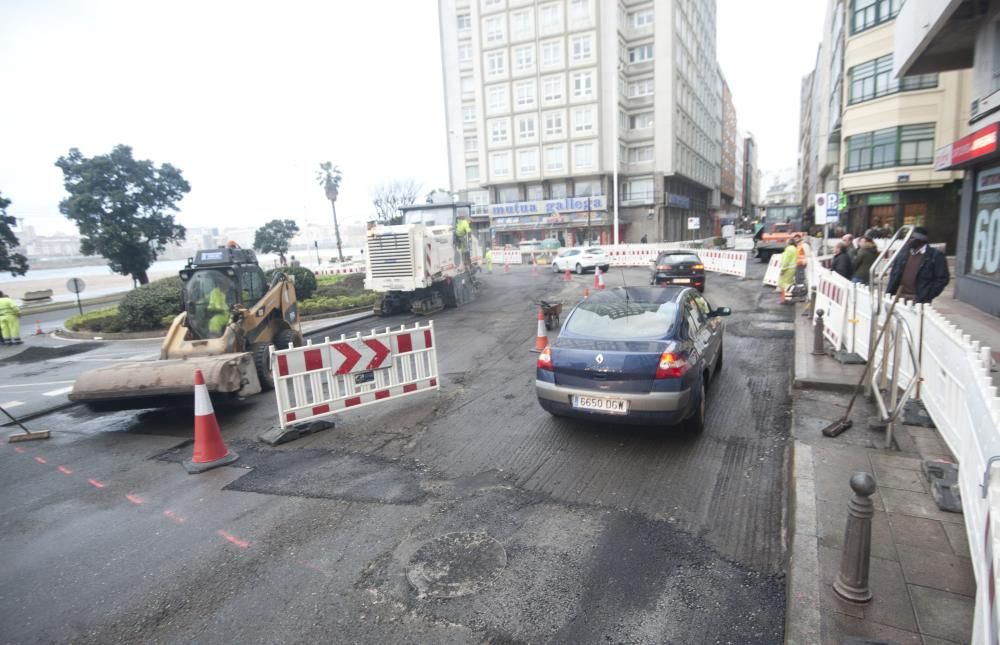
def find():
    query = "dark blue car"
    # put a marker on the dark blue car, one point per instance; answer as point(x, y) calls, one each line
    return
point(642, 355)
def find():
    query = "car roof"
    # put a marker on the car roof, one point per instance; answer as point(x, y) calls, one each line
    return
point(679, 252)
point(654, 295)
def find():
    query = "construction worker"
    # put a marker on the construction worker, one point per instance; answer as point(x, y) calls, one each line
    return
point(489, 260)
point(10, 321)
point(787, 267)
point(218, 310)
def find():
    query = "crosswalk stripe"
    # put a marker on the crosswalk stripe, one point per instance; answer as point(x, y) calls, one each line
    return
point(59, 392)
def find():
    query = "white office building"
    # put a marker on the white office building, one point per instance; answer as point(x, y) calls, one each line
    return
point(547, 99)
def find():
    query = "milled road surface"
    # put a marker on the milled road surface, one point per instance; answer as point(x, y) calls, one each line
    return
point(608, 534)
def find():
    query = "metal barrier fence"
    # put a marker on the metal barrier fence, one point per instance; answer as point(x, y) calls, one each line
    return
point(507, 256)
point(834, 297)
point(316, 381)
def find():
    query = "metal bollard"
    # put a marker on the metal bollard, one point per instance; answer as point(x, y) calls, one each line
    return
point(818, 347)
point(852, 582)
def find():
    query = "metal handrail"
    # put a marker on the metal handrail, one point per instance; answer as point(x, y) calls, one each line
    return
point(878, 273)
point(900, 334)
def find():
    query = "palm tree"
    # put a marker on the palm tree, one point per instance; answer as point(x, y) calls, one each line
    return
point(329, 178)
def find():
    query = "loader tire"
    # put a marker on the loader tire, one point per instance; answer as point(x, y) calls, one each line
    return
point(261, 360)
point(286, 336)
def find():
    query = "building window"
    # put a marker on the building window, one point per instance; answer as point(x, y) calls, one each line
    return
point(521, 25)
point(469, 114)
point(640, 88)
point(508, 195)
point(866, 14)
point(557, 190)
point(583, 119)
point(552, 54)
point(908, 145)
point(555, 159)
point(534, 192)
point(492, 4)
point(583, 48)
point(579, 10)
point(875, 78)
point(640, 190)
point(499, 131)
point(471, 144)
point(524, 58)
point(553, 123)
point(496, 63)
point(525, 93)
point(552, 89)
point(468, 84)
point(464, 21)
point(472, 172)
point(583, 155)
point(640, 121)
point(493, 27)
point(640, 54)
point(500, 164)
point(550, 20)
point(640, 154)
point(587, 187)
point(641, 18)
point(583, 84)
point(526, 129)
point(464, 53)
point(527, 161)
point(497, 99)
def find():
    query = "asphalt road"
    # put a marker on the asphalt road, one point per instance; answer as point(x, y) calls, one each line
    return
point(560, 531)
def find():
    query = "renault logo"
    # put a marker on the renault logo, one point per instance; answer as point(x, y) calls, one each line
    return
point(599, 359)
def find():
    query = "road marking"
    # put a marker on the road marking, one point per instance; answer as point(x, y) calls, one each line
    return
point(64, 470)
point(135, 499)
point(174, 516)
point(234, 540)
point(95, 483)
point(11, 404)
point(19, 449)
point(41, 460)
point(36, 384)
point(59, 392)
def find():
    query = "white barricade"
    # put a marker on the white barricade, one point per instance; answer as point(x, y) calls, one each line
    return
point(507, 256)
point(833, 296)
point(720, 261)
point(773, 271)
point(316, 381)
point(340, 269)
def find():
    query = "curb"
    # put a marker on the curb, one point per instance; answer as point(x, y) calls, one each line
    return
point(137, 335)
point(826, 386)
point(803, 624)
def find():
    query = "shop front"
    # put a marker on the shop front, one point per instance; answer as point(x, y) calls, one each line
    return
point(977, 256)
point(571, 221)
point(933, 208)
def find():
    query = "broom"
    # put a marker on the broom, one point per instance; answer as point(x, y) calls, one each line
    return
point(27, 435)
point(844, 423)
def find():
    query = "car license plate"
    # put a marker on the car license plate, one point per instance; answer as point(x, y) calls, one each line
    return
point(597, 404)
point(682, 280)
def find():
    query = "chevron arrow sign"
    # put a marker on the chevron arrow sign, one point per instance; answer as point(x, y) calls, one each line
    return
point(359, 355)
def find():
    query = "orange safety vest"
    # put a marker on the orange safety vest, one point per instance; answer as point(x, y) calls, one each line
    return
point(802, 255)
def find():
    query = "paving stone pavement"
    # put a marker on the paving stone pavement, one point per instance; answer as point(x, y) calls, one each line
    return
point(921, 578)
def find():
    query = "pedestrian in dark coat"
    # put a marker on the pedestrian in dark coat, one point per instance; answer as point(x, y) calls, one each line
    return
point(867, 254)
point(919, 272)
point(842, 261)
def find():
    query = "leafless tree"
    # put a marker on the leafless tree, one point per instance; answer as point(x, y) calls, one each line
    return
point(390, 196)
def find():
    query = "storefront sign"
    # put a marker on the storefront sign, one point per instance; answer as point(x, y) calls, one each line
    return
point(975, 146)
point(555, 221)
point(984, 245)
point(551, 206)
point(880, 199)
point(984, 106)
point(678, 201)
point(694, 223)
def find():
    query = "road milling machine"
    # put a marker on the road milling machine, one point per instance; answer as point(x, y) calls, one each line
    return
point(230, 316)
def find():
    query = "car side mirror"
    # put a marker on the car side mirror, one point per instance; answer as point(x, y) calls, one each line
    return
point(720, 311)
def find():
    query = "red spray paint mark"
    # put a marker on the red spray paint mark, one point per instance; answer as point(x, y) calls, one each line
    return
point(233, 539)
point(19, 449)
point(41, 460)
point(95, 483)
point(174, 516)
point(135, 499)
point(64, 470)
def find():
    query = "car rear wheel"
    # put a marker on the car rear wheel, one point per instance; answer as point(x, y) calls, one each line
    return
point(555, 268)
point(696, 424)
point(579, 269)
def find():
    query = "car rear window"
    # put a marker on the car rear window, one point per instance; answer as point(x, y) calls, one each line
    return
point(594, 250)
point(676, 258)
point(620, 320)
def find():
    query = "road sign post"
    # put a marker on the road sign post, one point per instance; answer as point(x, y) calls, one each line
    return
point(76, 285)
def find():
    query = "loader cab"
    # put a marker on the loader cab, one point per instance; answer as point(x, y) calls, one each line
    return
point(215, 280)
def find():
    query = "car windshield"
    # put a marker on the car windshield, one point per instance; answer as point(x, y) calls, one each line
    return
point(675, 258)
point(621, 319)
point(209, 295)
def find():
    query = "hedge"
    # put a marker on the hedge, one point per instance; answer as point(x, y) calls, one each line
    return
point(322, 305)
point(305, 280)
point(146, 307)
point(101, 320)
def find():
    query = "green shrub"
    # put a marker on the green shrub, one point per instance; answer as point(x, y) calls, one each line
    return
point(146, 307)
point(719, 241)
point(305, 280)
point(101, 320)
point(322, 305)
point(350, 284)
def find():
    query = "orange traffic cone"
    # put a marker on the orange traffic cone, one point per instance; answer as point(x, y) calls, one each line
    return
point(506, 268)
point(534, 269)
point(567, 277)
point(586, 292)
point(209, 449)
point(598, 279)
point(38, 328)
point(542, 339)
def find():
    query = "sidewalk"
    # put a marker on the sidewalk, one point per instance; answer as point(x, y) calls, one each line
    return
point(921, 577)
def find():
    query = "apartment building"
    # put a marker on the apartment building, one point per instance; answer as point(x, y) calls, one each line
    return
point(730, 133)
point(566, 117)
point(940, 38)
point(751, 178)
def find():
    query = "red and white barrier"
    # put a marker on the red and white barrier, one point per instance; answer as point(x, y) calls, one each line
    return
point(316, 381)
point(773, 271)
point(340, 269)
point(835, 297)
point(722, 261)
point(507, 256)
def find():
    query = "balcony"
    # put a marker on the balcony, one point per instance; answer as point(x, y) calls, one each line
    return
point(937, 35)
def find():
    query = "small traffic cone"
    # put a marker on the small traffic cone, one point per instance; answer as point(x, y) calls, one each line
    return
point(506, 268)
point(598, 279)
point(38, 328)
point(586, 292)
point(542, 339)
point(209, 449)
point(567, 277)
point(534, 269)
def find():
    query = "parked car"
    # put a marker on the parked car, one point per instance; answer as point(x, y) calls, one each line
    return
point(642, 355)
point(678, 267)
point(581, 259)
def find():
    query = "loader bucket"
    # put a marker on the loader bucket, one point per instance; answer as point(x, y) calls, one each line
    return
point(165, 383)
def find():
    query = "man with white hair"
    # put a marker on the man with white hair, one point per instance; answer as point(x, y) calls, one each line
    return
point(852, 250)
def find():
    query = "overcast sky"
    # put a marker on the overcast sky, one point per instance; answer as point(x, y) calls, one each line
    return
point(246, 98)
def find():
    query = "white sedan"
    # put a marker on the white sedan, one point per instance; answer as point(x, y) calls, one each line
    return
point(581, 259)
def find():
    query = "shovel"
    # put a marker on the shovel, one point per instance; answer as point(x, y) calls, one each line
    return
point(27, 435)
point(844, 423)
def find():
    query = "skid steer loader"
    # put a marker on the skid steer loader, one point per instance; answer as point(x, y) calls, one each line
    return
point(230, 318)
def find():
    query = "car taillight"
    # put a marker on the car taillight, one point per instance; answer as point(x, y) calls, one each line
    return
point(545, 360)
point(671, 366)
point(698, 266)
point(664, 267)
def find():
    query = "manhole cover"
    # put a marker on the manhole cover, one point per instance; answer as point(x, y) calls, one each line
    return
point(456, 564)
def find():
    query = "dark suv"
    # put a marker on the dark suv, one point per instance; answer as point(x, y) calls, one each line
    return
point(678, 267)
